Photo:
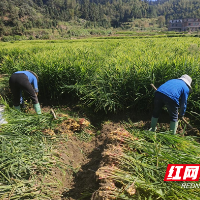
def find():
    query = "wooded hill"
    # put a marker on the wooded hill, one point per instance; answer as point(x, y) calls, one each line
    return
point(21, 15)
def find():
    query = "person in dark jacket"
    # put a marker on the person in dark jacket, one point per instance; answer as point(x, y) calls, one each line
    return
point(173, 94)
point(26, 81)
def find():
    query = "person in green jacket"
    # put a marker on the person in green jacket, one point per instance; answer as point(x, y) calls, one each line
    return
point(23, 81)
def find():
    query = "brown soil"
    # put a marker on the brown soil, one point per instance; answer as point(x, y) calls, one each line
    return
point(79, 160)
point(87, 163)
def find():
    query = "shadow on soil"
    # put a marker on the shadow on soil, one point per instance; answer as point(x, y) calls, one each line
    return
point(85, 182)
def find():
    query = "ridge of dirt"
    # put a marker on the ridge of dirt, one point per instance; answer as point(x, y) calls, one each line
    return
point(80, 161)
point(108, 189)
point(85, 181)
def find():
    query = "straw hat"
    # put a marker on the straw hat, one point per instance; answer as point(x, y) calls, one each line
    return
point(187, 79)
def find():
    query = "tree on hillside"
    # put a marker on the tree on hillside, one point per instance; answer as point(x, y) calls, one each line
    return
point(161, 21)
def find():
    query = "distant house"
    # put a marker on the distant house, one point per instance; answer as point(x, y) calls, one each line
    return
point(184, 25)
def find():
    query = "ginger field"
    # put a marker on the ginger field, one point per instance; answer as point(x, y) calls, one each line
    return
point(97, 145)
point(106, 74)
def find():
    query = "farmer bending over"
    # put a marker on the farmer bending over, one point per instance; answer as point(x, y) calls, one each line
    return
point(173, 94)
point(22, 80)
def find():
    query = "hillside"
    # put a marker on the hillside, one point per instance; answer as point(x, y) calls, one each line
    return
point(19, 17)
point(177, 9)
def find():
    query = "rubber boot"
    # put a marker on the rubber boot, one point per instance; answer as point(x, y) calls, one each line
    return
point(17, 107)
point(37, 108)
point(173, 127)
point(153, 124)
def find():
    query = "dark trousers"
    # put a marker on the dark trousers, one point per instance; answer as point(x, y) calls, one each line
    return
point(19, 82)
point(162, 100)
